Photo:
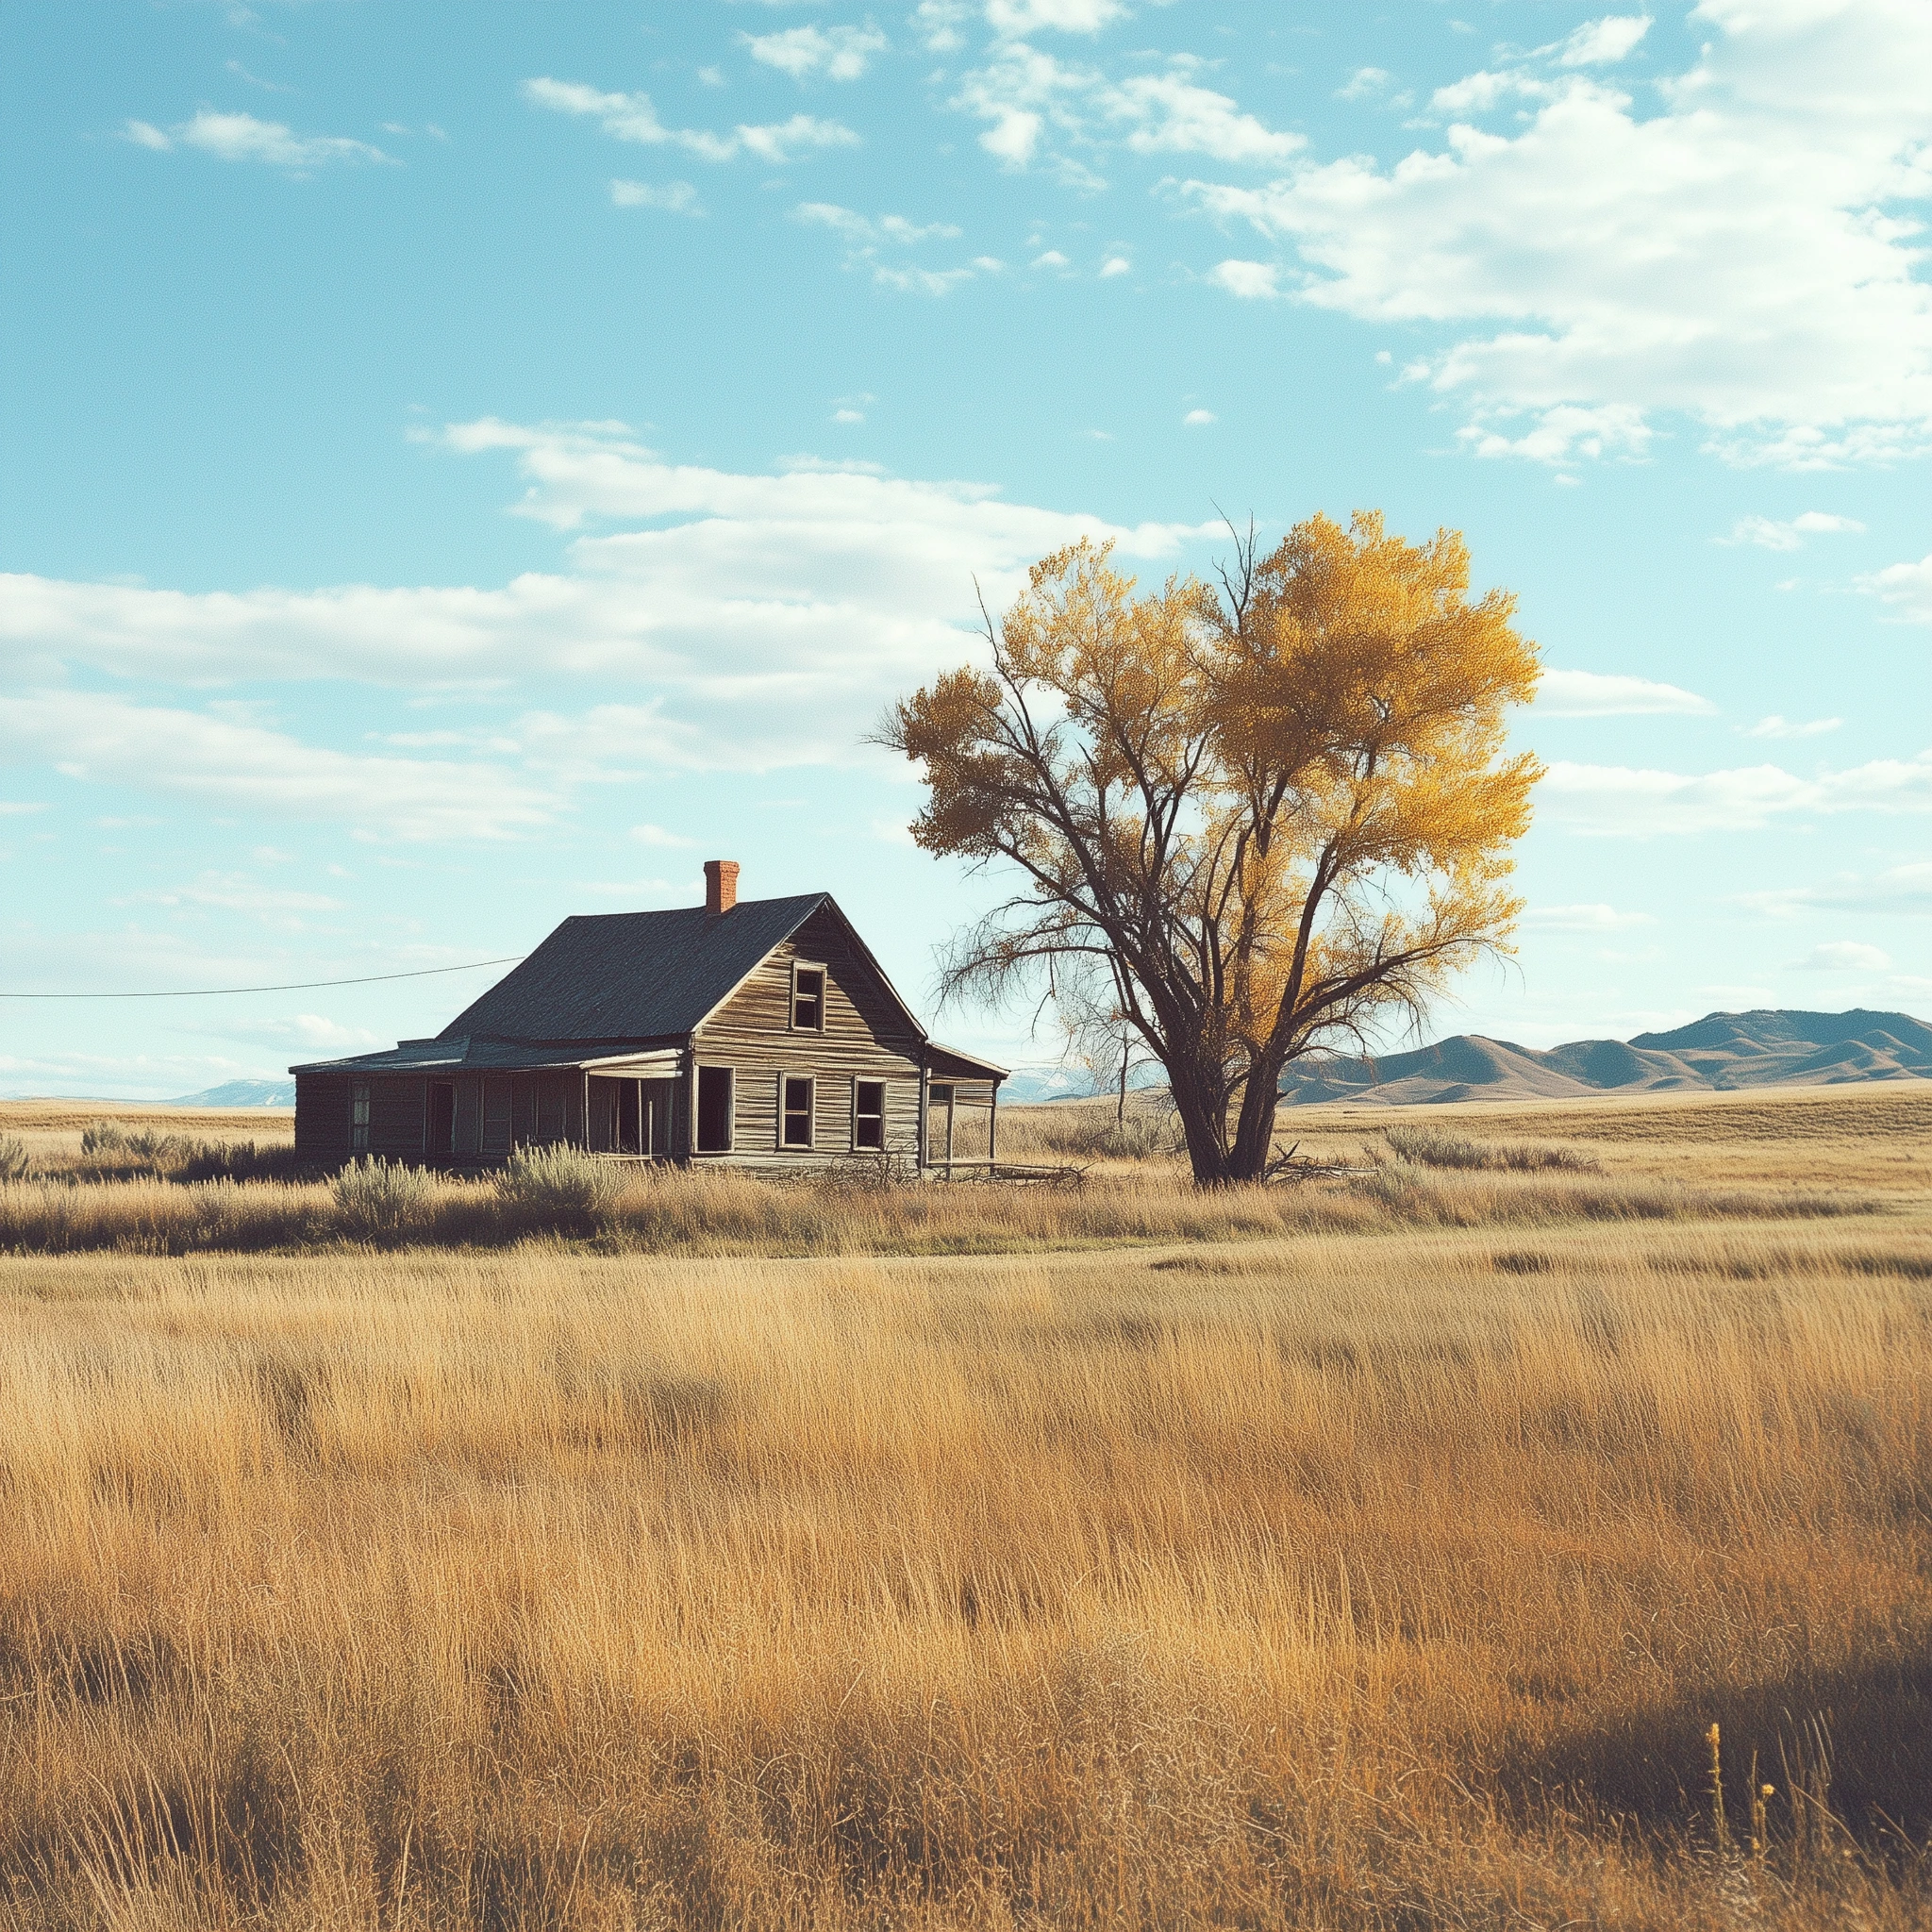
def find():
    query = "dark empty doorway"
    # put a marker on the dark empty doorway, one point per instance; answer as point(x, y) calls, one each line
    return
point(441, 1137)
point(714, 1110)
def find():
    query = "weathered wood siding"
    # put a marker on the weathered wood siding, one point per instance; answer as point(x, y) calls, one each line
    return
point(496, 1112)
point(492, 1112)
point(865, 1037)
point(321, 1117)
point(396, 1105)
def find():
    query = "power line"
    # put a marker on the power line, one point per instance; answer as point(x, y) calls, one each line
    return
point(204, 992)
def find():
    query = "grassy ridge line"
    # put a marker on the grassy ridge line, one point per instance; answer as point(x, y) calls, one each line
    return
point(1357, 1584)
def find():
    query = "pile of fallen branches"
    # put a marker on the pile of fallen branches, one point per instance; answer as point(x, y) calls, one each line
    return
point(1292, 1166)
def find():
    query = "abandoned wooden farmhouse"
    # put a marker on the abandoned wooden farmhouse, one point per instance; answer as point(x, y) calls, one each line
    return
point(755, 1033)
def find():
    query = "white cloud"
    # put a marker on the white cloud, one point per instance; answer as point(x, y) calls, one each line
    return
point(1589, 918)
point(846, 221)
point(838, 53)
point(1563, 434)
point(1115, 265)
point(18, 808)
point(1601, 42)
point(1363, 83)
point(1036, 102)
point(1845, 955)
point(1198, 419)
point(1770, 534)
point(1594, 695)
point(657, 835)
point(631, 117)
point(1482, 92)
point(1906, 586)
point(1613, 800)
point(939, 23)
point(243, 138)
point(757, 617)
point(674, 197)
point(1901, 889)
point(1774, 726)
point(307, 1033)
point(1168, 113)
point(251, 770)
point(922, 281)
point(1015, 19)
point(1253, 281)
point(1743, 258)
point(1052, 259)
point(865, 237)
point(238, 893)
point(272, 87)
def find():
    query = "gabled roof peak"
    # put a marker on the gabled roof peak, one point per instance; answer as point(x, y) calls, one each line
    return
point(635, 976)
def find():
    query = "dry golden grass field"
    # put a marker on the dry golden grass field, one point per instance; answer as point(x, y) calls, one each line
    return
point(1372, 1551)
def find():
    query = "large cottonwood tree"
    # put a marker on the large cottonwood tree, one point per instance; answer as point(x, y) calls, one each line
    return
point(1271, 813)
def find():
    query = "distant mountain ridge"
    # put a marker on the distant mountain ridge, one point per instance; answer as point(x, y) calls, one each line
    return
point(241, 1093)
point(1720, 1053)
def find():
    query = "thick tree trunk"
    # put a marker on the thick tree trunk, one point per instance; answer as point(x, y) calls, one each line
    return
point(1202, 1109)
point(1254, 1138)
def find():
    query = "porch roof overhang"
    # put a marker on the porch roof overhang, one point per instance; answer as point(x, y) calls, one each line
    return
point(949, 1063)
point(467, 1054)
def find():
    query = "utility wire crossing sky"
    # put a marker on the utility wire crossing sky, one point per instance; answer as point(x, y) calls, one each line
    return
point(467, 465)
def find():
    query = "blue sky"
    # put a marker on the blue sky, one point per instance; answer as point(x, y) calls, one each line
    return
point(467, 464)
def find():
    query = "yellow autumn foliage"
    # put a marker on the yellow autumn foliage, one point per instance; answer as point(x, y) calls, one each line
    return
point(1258, 815)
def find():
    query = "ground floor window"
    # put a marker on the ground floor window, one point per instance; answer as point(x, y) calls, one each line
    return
point(497, 1096)
point(868, 1114)
point(797, 1111)
point(359, 1117)
point(714, 1110)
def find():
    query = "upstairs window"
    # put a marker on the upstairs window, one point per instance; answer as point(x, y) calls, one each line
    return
point(715, 1110)
point(807, 999)
point(868, 1114)
point(359, 1118)
point(795, 1120)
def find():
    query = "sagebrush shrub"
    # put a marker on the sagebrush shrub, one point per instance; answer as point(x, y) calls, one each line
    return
point(1433, 1147)
point(377, 1199)
point(107, 1140)
point(238, 1160)
point(558, 1188)
point(1145, 1133)
point(15, 1163)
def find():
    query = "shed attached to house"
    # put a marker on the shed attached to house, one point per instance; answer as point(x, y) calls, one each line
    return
point(761, 1033)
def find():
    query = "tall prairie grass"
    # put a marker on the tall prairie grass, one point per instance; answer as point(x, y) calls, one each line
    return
point(1377, 1578)
point(721, 1211)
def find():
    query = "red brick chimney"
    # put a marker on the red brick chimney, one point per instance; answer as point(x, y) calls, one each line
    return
point(721, 886)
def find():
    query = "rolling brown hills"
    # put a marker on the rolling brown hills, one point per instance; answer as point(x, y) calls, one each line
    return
point(1720, 1053)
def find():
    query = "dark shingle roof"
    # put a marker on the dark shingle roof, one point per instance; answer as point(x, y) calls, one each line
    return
point(603, 985)
point(633, 975)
